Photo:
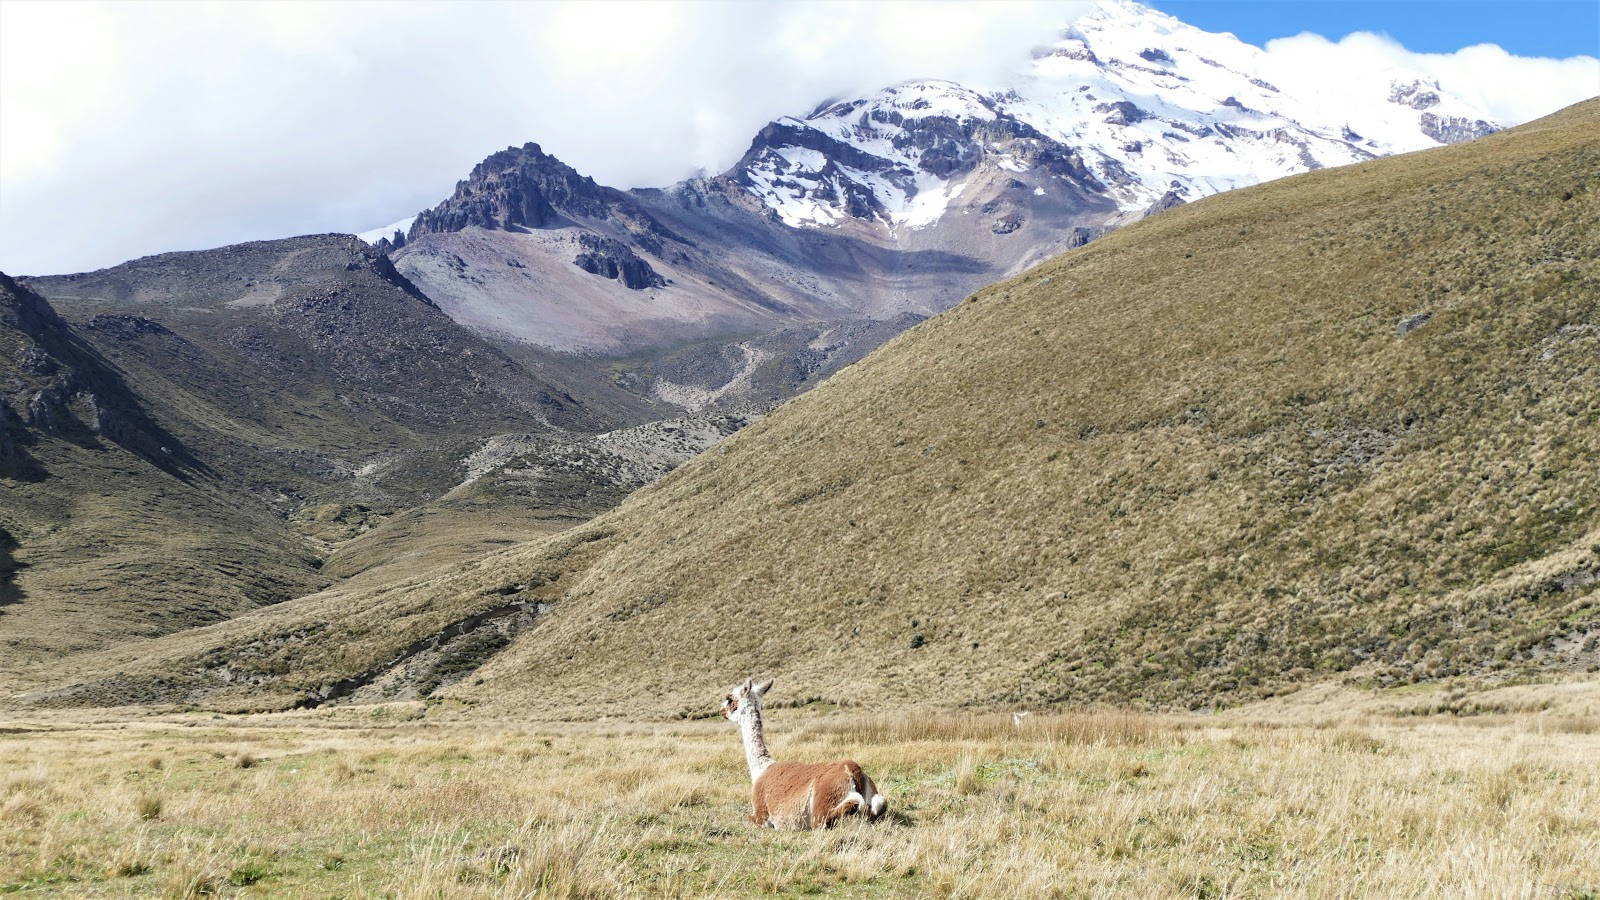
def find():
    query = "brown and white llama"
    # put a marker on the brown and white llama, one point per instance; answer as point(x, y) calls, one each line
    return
point(795, 795)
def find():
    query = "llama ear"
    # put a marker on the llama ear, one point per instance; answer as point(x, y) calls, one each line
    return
point(764, 687)
point(746, 689)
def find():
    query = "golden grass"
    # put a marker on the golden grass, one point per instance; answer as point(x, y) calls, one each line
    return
point(1094, 805)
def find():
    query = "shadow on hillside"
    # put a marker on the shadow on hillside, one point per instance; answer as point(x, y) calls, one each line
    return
point(9, 591)
point(120, 417)
point(90, 402)
point(16, 463)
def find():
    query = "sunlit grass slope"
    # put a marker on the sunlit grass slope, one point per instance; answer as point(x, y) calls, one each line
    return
point(1190, 462)
point(1345, 425)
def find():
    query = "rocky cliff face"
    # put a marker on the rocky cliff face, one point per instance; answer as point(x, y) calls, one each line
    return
point(611, 258)
point(900, 157)
point(517, 187)
point(320, 316)
point(899, 202)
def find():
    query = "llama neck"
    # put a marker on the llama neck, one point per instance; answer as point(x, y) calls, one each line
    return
point(755, 745)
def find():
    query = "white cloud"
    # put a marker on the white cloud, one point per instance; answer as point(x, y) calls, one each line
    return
point(1511, 89)
point(128, 129)
point(133, 128)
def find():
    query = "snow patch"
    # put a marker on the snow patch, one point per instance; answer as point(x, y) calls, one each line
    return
point(377, 234)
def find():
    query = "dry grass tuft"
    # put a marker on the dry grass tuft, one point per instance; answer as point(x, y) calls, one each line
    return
point(148, 806)
point(1352, 741)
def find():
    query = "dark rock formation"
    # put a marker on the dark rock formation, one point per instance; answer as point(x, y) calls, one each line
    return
point(1415, 95)
point(945, 146)
point(1166, 202)
point(517, 187)
point(611, 258)
point(126, 327)
point(60, 386)
point(1454, 129)
point(1007, 223)
point(782, 134)
point(1411, 323)
point(391, 243)
point(1122, 112)
point(1081, 235)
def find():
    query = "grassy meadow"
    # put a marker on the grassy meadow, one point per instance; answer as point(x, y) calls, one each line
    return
point(411, 800)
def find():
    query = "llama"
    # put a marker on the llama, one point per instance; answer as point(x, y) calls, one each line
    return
point(791, 795)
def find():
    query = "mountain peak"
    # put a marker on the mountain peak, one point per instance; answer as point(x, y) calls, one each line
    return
point(518, 187)
point(1149, 104)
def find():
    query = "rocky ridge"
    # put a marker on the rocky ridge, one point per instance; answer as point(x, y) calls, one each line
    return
point(903, 200)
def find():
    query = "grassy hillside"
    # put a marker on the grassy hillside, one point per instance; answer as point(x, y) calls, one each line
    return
point(1345, 425)
point(192, 435)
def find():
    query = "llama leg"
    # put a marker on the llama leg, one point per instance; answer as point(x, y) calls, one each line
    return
point(759, 816)
point(876, 804)
point(850, 804)
point(841, 799)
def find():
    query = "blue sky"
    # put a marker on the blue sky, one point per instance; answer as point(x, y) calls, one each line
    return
point(1552, 28)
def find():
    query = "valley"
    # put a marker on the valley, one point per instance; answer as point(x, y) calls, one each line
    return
point(1165, 478)
point(1018, 394)
point(1248, 473)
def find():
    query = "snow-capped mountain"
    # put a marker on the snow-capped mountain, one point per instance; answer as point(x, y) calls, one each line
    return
point(894, 205)
point(1129, 102)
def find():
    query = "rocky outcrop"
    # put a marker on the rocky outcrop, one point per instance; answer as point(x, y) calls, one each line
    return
point(1166, 202)
point(58, 385)
point(610, 258)
point(1414, 94)
point(1454, 129)
point(868, 158)
point(1411, 323)
point(127, 327)
point(942, 146)
point(395, 241)
point(1122, 112)
point(517, 187)
point(784, 134)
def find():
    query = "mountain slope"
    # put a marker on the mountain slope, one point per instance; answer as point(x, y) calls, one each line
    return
point(188, 436)
point(1346, 424)
point(893, 205)
point(114, 525)
point(528, 251)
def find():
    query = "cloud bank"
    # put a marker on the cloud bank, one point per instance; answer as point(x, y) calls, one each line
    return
point(1512, 89)
point(128, 129)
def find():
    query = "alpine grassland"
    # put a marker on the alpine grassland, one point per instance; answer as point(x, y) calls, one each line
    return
point(413, 801)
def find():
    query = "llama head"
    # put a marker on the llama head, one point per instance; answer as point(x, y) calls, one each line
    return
point(744, 700)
